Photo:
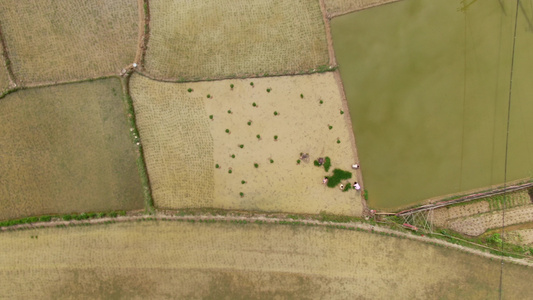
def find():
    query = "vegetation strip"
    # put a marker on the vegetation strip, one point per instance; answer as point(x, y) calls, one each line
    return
point(141, 164)
point(330, 221)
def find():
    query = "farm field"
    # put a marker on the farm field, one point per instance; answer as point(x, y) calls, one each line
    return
point(51, 41)
point(4, 79)
point(184, 140)
point(339, 7)
point(428, 85)
point(183, 260)
point(211, 39)
point(67, 149)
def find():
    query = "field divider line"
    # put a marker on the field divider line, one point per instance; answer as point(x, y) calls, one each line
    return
point(375, 4)
point(7, 62)
point(329, 39)
point(269, 220)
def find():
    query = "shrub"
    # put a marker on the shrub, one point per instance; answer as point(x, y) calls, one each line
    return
point(254, 104)
point(268, 90)
point(208, 95)
point(276, 113)
point(256, 165)
point(243, 182)
point(302, 96)
point(316, 163)
point(231, 86)
point(227, 130)
point(211, 117)
point(45, 218)
point(337, 177)
point(327, 164)
point(189, 90)
point(298, 161)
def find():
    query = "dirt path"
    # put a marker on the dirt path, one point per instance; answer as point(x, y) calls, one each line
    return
point(271, 220)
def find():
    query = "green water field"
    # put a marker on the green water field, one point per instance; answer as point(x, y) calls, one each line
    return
point(428, 86)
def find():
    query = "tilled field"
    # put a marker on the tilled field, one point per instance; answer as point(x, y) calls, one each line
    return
point(66, 149)
point(478, 224)
point(186, 135)
point(4, 79)
point(214, 39)
point(66, 40)
point(166, 260)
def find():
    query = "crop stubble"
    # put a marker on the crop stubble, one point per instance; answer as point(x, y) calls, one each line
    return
point(215, 39)
point(52, 41)
point(178, 141)
point(66, 149)
point(182, 260)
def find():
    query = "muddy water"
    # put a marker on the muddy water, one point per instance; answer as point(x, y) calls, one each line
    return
point(428, 87)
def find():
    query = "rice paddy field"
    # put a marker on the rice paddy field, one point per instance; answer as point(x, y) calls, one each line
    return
point(205, 143)
point(230, 261)
point(4, 79)
point(52, 41)
point(428, 89)
point(340, 7)
point(65, 149)
point(214, 39)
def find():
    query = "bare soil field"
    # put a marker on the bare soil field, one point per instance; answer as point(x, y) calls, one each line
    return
point(186, 135)
point(67, 149)
point(52, 41)
point(203, 261)
point(340, 7)
point(214, 39)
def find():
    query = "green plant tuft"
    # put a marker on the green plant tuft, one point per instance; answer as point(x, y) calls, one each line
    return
point(321, 102)
point(211, 117)
point(252, 84)
point(241, 146)
point(254, 104)
point(242, 194)
point(338, 141)
point(342, 112)
point(243, 182)
point(337, 177)
point(275, 113)
point(302, 96)
point(271, 161)
point(208, 95)
point(298, 161)
point(268, 90)
point(229, 111)
point(230, 171)
point(249, 123)
point(227, 130)
point(330, 127)
point(275, 137)
point(233, 156)
point(217, 166)
point(258, 137)
point(189, 90)
point(256, 165)
point(231, 86)
point(327, 164)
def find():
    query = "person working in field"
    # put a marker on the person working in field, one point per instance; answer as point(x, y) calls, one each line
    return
point(356, 186)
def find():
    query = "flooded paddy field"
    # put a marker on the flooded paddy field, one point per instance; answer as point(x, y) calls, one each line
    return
point(428, 86)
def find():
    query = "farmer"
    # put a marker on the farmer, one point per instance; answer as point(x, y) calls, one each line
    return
point(356, 186)
point(325, 180)
point(342, 186)
point(355, 166)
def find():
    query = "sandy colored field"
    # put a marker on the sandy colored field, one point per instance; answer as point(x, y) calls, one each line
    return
point(64, 40)
point(192, 261)
point(66, 149)
point(182, 145)
point(340, 7)
point(214, 39)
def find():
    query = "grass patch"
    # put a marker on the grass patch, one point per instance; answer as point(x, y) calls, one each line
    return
point(327, 164)
point(337, 177)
